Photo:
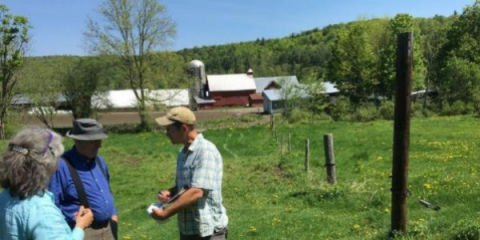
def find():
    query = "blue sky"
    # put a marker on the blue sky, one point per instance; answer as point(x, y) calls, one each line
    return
point(58, 24)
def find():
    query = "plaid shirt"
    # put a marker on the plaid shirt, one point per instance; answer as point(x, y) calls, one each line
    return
point(201, 167)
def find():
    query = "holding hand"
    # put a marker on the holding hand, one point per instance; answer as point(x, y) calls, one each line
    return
point(164, 196)
point(159, 213)
point(84, 217)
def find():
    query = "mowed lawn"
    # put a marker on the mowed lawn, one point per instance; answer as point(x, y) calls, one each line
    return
point(268, 195)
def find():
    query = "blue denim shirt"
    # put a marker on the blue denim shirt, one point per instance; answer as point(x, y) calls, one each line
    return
point(96, 185)
point(36, 218)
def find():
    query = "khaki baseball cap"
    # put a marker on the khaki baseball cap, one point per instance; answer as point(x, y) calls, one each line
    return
point(177, 114)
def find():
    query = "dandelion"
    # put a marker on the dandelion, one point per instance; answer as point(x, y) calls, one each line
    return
point(387, 210)
point(356, 226)
point(427, 186)
point(252, 229)
point(275, 221)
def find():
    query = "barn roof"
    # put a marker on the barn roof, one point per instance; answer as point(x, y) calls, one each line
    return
point(203, 100)
point(277, 95)
point(330, 87)
point(127, 99)
point(263, 82)
point(256, 96)
point(230, 82)
point(21, 99)
point(273, 94)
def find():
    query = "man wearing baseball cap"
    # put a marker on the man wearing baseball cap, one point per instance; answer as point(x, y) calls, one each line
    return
point(82, 178)
point(201, 214)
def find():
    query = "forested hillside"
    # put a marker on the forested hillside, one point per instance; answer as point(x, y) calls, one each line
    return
point(358, 56)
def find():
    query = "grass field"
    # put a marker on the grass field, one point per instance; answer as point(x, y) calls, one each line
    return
point(269, 196)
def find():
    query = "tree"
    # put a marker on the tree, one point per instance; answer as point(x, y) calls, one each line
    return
point(13, 44)
point(43, 97)
point(132, 30)
point(352, 63)
point(459, 59)
point(399, 24)
point(433, 37)
point(79, 85)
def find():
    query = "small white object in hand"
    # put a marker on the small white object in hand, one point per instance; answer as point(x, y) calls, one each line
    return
point(155, 206)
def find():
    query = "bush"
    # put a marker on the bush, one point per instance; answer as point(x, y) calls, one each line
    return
point(365, 113)
point(387, 110)
point(298, 115)
point(457, 108)
point(341, 109)
point(431, 110)
point(123, 128)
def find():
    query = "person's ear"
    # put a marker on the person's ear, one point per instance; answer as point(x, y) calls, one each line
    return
point(184, 127)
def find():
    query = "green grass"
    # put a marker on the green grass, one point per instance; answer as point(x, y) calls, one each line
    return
point(269, 196)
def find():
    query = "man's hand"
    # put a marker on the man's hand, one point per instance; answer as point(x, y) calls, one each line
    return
point(84, 217)
point(164, 196)
point(115, 218)
point(159, 214)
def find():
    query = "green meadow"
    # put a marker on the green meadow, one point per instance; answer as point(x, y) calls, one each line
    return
point(268, 194)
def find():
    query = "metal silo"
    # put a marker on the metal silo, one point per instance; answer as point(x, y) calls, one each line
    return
point(197, 68)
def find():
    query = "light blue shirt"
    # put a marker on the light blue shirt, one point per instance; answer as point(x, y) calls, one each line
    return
point(201, 166)
point(36, 218)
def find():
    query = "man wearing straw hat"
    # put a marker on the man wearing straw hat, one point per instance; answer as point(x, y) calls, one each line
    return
point(82, 178)
point(199, 209)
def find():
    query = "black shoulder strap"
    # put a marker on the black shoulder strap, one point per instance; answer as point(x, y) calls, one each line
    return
point(78, 183)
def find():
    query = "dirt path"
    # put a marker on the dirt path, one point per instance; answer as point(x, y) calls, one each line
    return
point(112, 118)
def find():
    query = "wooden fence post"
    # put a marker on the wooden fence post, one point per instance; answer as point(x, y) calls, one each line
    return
point(307, 150)
point(289, 142)
point(272, 122)
point(329, 158)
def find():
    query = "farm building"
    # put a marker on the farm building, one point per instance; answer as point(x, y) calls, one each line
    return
point(125, 99)
point(114, 100)
point(212, 91)
point(230, 89)
point(274, 98)
point(267, 83)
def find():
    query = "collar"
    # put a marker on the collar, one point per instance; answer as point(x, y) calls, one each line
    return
point(195, 143)
point(77, 155)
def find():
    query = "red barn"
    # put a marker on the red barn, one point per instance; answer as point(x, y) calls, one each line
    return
point(230, 89)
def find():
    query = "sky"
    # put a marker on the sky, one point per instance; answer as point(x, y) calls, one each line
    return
point(58, 24)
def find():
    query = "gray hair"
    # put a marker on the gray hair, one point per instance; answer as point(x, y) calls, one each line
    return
point(29, 161)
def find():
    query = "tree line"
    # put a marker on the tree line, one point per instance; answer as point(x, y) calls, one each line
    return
point(359, 57)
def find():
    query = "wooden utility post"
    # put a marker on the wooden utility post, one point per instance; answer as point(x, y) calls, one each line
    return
point(329, 158)
point(401, 133)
